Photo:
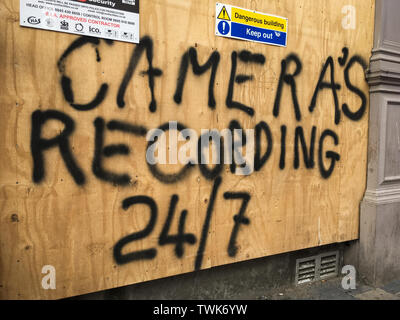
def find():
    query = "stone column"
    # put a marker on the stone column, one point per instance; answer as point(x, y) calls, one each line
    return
point(379, 246)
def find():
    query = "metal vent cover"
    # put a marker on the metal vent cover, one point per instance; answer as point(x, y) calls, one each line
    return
point(316, 268)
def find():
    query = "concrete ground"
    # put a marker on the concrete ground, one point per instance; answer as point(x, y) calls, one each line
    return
point(320, 290)
point(332, 290)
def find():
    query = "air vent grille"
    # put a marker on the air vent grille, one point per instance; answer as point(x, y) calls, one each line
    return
point(306, 271)
point(316, 268)
point(329, 265)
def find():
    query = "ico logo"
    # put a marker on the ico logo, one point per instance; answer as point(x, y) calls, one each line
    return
point(94, 30)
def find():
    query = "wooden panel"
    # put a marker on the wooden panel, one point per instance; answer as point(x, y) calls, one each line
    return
point(75, 228)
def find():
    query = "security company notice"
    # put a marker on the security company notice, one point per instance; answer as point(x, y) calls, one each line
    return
point(238, 23)
point(109, 19)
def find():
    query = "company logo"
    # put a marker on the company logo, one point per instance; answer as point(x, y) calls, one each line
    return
point(64, 25)
point(127, 36)
point(79, 27)
point(33, 20)
point(50, 22)
point(111, 33)
point(94, 30)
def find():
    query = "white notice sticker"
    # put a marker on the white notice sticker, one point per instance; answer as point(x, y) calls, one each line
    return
point(109, 19)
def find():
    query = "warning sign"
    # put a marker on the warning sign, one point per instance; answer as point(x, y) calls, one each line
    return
point(109, 19)
point(238, 23)
point(223, 15)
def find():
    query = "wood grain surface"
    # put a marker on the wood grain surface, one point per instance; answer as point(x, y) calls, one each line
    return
point(57, 219)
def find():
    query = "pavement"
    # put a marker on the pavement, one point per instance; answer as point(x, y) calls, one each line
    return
point(332, 290)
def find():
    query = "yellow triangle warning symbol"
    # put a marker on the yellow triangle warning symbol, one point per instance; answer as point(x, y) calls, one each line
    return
point(223, 15)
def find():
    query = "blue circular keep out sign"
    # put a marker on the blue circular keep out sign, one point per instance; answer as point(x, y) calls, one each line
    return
point(223, 27)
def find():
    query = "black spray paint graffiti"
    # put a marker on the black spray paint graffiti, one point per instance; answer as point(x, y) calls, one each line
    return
point(40, 144)
point(143, 254)
point(306, 142)
point(191, 56)
point(146, 44)
point(239, 219)
point(66, 82)
point(288, 79)
point(181, 238)
point(247, 57)
point(100, 151)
